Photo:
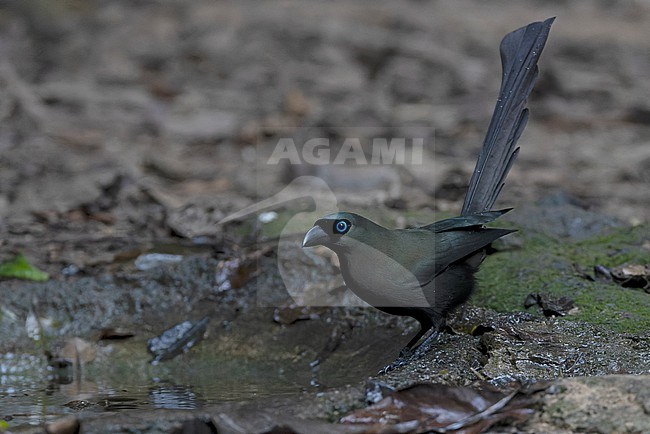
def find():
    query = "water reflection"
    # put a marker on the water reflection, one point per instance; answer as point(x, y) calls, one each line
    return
point(173, 397)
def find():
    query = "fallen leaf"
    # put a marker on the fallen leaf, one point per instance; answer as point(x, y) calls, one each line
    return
point(234, 273)
point(65, 425)
point(439, 408)
point(632, 275)
point(550, 306)
point(73, 351)
point(293, 313)
point(20, 268)
point(114, 333)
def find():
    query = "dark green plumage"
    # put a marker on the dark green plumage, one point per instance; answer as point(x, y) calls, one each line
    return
point(428, 271)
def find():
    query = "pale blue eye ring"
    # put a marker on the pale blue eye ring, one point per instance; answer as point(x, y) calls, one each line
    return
point(341, 226)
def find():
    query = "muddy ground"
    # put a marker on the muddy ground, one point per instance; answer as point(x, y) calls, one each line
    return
point(129, 128)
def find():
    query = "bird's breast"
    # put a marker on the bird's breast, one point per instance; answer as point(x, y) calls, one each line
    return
point(379, 280)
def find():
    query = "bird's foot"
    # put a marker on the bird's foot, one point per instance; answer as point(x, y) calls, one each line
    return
point(408, 355)
point(397, 363)
point(405, 353)
point(426, 346)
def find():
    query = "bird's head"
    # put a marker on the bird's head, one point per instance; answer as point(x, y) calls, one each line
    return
point(338, 231)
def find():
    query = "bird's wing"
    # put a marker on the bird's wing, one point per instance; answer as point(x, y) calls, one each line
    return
point(465, 221)
point(452, 246)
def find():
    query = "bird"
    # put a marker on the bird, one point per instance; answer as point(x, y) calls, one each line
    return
point(427, 272)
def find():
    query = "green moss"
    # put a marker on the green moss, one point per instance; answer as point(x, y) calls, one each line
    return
point(545, 264)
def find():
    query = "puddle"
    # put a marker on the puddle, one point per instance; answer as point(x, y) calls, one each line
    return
point(245, 354)
point(35, 403)
point(229, 367)
point(29, 394)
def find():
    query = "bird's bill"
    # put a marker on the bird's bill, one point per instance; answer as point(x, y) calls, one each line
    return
point(316, 236)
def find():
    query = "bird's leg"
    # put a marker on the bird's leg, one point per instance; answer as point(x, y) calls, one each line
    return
point(432, 324)
point(407, 351)
point(407, 354)
point(435, 325)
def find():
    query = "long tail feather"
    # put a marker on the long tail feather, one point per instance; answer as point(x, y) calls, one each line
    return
point(520, 51)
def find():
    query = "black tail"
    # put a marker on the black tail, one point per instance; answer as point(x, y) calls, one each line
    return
point(520, 51)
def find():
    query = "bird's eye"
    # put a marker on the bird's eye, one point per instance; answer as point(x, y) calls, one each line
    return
point(341, 226)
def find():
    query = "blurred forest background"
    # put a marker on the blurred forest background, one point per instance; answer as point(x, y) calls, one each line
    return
point(149, 118)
